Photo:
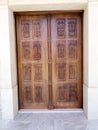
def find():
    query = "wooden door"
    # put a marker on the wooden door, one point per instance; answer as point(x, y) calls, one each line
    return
point(49, 60)
point(66, 60)
point(32, 61)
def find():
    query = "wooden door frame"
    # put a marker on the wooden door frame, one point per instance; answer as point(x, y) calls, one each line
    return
point(32, 13)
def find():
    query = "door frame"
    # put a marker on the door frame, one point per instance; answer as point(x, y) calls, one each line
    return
point(32, 13)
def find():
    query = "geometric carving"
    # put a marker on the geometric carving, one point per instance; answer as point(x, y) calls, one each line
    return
point(61, 49)
point(63, 57)
point(61, 27)
point(38, 94)
point(26, 50)
point(37, 28)
point(36, 50)
point(25, 28)
point(72, 47)
point(62, 93)
point(72, 27)
point(61, 71)
point(27, 71)
point(73, 92)
point(38, 72)
point(28, 94)
point(72, 71)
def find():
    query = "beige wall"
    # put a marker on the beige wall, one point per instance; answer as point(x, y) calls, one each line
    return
point(0, 101)
point(8, 75)
point(0, 84)
point(43, 1)
point(8, 64)
point(38, 1)
point(14, 2)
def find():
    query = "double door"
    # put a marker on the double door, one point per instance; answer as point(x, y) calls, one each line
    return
point(49, 60)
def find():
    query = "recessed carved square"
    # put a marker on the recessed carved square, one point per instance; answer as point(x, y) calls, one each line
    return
point(62, 93)
point(60, 27)
point(38, 94)
point(26, 50)
point(72, 47)
point(61, 49)
point(72, 27)
point(27, 72)
point(73, 96)
point(28, 97)
point(61, 71)
point(25, 28)
point(38, 72)
point(36, 50)
point(37, 28)
point(72, 71)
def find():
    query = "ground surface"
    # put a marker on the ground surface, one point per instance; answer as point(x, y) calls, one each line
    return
point(49, 121)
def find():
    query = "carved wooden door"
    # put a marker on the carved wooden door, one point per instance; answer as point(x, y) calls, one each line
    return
point(32, 61)
point(49, 61)
point(66, 60)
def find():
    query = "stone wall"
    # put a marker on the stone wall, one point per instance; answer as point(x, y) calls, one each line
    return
point(8, 76)
point(0, 101)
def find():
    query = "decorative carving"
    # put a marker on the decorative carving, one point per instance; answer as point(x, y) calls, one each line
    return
point(73, 92)
point(72, 49)
point(61, 27)
point(62, 93)
point(27, 71)
point(72, 71)
point(38, 94)
point(28, 94)
point(61, 71)
point(61, 49)
point(25, 28)
point(38, 72)
point(26, 50)
point(36, 50)
point(37, 28)
point(72, 27)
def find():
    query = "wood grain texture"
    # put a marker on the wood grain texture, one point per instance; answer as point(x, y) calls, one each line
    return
point(50, 105)
point(66, 60)
point(49, 49)
point(32, 61)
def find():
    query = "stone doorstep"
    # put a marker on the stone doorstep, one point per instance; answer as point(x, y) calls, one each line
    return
point(50, 111)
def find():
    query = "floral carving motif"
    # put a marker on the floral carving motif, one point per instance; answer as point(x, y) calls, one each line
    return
point(73, 92)
point(61, 50)
point(72, 71)
point(37, 28)
point(73, 49)
point(38, 94)
point(26, 50)
point(37, 50)
point(61, 71)
point(38, 72)
point(27, 71)
point(60, 27)
point(72, 27)
point(28, 94)
point(25, 28)
point(62, 93)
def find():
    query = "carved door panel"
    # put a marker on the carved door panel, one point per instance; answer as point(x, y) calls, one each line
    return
point(32, 61)
point(66, 61)
point(49, 61)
